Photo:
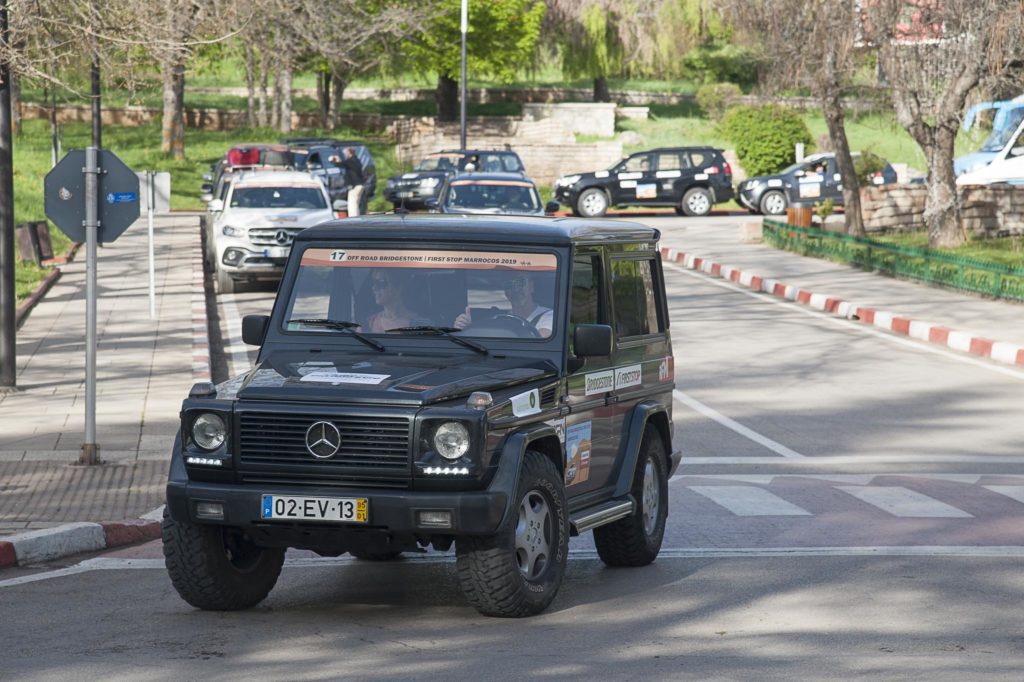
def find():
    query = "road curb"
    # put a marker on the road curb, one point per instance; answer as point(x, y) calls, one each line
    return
point(965, 342)
point(73, 538)
point(200, 324)
point(25, 308)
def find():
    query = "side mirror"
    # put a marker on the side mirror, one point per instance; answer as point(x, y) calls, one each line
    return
point(206, 197)
point(208, 177)
point(431, 204)
point(254, 328)
point(339, 205)
point(206, 188)
point(592, 340)
point(552, 207)
point(800, 173)
point(1017, 151)
point(215, 205)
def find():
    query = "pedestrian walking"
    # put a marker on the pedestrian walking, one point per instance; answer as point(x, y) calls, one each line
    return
point(354, 179)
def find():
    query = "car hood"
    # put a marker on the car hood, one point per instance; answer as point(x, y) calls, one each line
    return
point(1004, 170)
point(418, 175)
point(972, 162)
point(346, 377)
point(489, 211)
point(285, 217)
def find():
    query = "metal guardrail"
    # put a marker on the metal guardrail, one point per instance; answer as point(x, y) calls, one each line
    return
point(934, 267)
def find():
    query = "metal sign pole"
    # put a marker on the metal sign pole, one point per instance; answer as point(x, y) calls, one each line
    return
point(90, 450)
point(151, 207)
point(463, 27)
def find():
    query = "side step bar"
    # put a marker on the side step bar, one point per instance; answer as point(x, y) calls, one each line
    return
point(606, 512)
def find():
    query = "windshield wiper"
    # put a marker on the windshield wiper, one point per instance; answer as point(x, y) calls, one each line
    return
point(339, 325)
point(446, 332)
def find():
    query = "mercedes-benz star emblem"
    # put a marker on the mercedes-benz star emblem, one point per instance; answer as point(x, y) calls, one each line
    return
point(323, 440)
point(282, 237)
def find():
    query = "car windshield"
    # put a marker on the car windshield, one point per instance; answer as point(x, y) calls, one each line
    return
point(488, 294)
point(998, 138)
point(442, 162)
point(509, 196)
point(278, 197)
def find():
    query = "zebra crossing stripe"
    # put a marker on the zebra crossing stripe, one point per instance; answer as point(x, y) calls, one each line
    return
point(905, 503)
point(1014, 492)
point(745, 500)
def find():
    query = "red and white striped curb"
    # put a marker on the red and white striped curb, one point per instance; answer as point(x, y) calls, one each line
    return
point(999, 351)
point(73, 538)
point(200, 329)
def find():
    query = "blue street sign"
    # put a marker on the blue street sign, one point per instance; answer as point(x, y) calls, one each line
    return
point(122, 197)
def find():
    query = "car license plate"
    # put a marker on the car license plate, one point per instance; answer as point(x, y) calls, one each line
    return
point(336, 509)
point(275, 252)
point(404, 195)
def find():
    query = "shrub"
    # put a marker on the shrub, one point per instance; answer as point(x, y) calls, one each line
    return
point(715, 98)
point(765, 136)
point(866, 164)
point(721, 63)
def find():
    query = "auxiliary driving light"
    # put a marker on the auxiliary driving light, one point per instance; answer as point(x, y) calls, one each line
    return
point(434, 519)
point(210, 510)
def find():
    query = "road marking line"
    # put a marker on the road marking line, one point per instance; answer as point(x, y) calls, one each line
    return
point(734, 425)
point(951, 551)
point(847, 324)
point(236, 351)
point(745, 500)
point(821, 460)
point(857, 479)
point(1014, 492)
point(904, 503)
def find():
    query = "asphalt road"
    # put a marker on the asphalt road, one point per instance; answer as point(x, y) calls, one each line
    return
point(850, 504)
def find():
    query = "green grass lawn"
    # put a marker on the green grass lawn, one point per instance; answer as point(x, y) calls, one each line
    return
point(1003, 250)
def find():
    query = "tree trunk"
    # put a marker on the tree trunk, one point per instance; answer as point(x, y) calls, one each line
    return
point(261, 112)
point(601, 91)
point(338, 85)
point(835, 119)
point(172, 141)
point(16, 104)
point(275, 108)
point(250, 87)
point(447, 99)
point(323, 98)
point(942, 208)
point(285, 85)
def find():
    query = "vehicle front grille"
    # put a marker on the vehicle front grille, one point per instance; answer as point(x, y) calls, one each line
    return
point(268, 236)
point(374, 450)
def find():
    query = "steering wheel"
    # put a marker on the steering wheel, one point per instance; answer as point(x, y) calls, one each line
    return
point(509, 323)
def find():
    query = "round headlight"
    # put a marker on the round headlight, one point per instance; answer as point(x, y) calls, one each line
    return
point(451, 440)
point(208, 431)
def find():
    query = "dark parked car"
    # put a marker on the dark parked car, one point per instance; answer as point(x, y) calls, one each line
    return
point(491, 193)
point(412, 190)
point(494, 382)
point(813, 180)
point(322, 157)
point(690, 179)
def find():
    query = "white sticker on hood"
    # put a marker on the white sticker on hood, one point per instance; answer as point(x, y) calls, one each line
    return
point(327, 377)
point(601, 174)
point(410, 176)
point(525, 404)
point(775, 182)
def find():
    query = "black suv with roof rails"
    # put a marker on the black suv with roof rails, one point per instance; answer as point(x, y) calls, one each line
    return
point(690, 179)
point(496, 383)
point(412, 190)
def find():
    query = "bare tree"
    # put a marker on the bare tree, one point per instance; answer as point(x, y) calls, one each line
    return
point(933, 55)
point(810, 43)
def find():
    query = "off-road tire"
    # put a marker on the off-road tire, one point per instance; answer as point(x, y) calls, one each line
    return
point(767, 201)
point(225, 284)
point(696, 202)
point(364, 555)
point(586, 208)
point(627, 542)
point(488, 571)
point(205, 576)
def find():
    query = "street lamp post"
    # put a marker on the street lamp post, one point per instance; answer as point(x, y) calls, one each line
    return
point(7, 310)
point(462, 85)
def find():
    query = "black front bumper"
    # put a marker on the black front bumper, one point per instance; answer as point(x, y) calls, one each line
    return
point(391, 511)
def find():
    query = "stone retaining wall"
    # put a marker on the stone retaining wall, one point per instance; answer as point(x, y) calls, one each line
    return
point(987, 210)
point(584, 118)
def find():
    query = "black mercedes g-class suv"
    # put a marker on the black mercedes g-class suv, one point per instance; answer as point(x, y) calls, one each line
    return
point(496, 383)
point(690, 179)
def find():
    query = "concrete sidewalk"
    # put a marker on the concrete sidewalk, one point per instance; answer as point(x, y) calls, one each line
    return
point(145, 368)
point(718, 240)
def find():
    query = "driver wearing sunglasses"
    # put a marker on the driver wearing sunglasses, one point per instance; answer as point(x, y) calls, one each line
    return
point(519, 289)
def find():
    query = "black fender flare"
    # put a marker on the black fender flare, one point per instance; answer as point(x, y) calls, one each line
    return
point(642, 414)
point(513, 452)
point(177, 483)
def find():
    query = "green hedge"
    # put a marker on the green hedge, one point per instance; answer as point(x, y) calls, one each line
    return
point(765, 136)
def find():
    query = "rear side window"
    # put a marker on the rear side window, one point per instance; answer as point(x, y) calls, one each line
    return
point(701, 159)
point(672, 161)
point(635, 298)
